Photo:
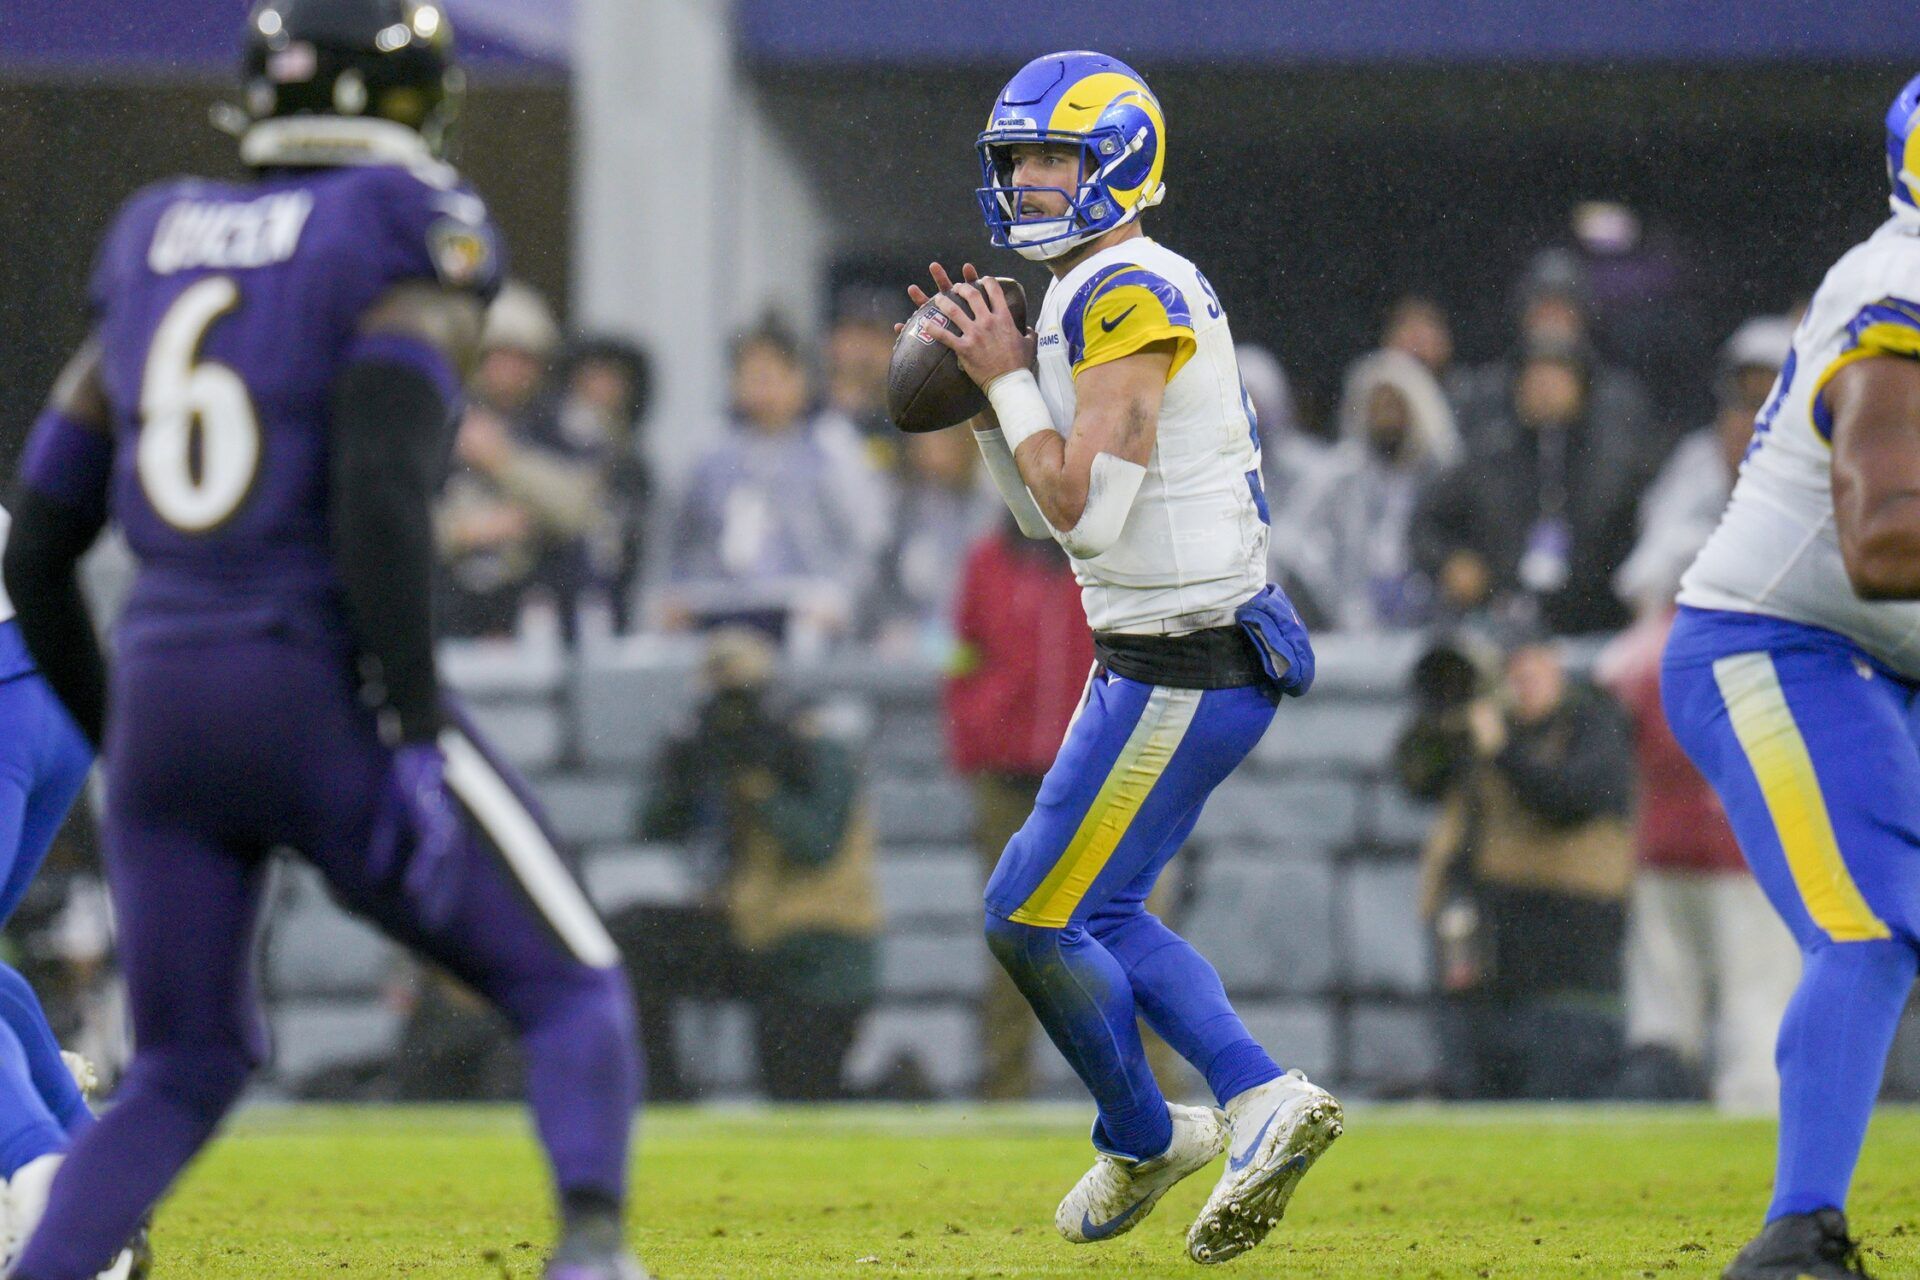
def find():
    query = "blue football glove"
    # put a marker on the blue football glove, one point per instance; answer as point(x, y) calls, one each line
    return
point(423, 826)
point(1280, 638)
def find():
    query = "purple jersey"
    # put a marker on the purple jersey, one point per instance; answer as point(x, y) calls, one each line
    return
point(226, 312)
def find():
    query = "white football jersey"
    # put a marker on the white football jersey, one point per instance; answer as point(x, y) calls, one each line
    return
point(1777, 549)
point(1194, 546)
point(6, 605)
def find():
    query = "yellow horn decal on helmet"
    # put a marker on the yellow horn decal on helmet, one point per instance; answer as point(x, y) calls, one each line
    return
point(1913, 163)
point(1087, 99)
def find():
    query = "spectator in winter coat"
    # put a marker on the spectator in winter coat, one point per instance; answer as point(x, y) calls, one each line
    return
point(1541, 508)
point(1704, 948)
point(1342, 545)
point(780, 524)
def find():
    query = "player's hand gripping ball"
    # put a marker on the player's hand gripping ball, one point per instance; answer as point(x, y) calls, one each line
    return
point(927, 390)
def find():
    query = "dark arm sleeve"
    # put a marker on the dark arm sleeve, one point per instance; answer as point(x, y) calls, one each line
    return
point(392, 426)
point(1592, 779)
point(43, 552)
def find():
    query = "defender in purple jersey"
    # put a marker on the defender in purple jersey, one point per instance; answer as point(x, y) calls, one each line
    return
point(265, 407)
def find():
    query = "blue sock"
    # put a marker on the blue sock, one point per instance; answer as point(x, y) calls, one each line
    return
point(1082, 997)
point(27, 1129)
point(21, 1013)
point(1181, 997)
point(1833, 1051)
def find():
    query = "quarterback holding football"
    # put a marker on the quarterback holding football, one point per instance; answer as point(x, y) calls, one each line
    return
point(1120, 429)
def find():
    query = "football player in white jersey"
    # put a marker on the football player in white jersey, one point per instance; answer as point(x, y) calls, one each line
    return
point(1793, 680)
point(1120, 429)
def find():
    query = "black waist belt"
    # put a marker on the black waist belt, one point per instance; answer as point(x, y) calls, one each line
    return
point(1217, 658)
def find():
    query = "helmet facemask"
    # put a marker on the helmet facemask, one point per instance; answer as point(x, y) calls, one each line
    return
point(1092, 210)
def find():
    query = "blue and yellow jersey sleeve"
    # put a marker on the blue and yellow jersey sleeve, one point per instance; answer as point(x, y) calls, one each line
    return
point(1123, 308)
point(1889, 327)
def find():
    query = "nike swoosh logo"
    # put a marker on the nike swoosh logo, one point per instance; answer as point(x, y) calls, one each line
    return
point(1111, 1227)
point(1241, 1161)
point(1108, 326)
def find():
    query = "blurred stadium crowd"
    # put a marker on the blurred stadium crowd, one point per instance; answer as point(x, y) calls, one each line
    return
point(1499, 543)
point(1557, 491)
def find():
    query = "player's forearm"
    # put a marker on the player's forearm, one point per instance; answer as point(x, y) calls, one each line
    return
point(1058, 489)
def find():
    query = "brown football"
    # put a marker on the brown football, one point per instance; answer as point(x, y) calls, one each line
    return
point(926, 388)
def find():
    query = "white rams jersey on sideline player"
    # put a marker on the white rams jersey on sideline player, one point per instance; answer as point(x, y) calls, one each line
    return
point(1194, 546)
point(1777, 549)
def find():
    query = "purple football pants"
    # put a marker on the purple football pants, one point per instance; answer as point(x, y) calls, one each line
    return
point(220, 751)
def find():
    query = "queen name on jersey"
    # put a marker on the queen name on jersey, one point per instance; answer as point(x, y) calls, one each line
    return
point(225, 311)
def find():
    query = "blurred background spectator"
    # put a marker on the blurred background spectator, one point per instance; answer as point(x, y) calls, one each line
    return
point(1289, 455)
point(598, 417)
point(1417, 326)
point(1342, 544)
point(1023, 660)
point(941, 504)
point(781, 522)
point(790, 919)
point(1541, 507)
point(1682, 505)
point(859, 347)
point(1525, 875)
point(1709, 966)
point(520, 505)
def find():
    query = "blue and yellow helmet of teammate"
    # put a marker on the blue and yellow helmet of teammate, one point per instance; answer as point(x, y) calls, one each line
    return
point(1903, 145)
point(1086, 100)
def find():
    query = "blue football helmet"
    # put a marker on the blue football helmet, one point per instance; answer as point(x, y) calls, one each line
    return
point(1903, 144)
point(1085, 100)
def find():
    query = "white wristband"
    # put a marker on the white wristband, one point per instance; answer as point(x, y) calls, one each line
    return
point(1017, 403)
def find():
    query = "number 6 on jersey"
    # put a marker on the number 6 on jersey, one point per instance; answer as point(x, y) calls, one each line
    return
point(199, 436)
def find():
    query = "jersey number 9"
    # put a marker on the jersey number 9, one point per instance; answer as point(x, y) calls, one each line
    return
point(199, 436)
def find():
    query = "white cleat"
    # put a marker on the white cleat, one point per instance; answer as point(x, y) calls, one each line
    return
point(1116, 1194)
point(26, 1203)
point(1278, 1130)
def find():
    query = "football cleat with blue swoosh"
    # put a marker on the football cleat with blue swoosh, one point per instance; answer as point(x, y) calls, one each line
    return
point(1117, 1194)
point(1277, 1131)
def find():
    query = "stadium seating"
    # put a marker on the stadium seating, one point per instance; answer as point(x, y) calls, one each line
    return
point(1299, 883)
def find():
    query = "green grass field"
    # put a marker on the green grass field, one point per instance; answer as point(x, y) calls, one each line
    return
point(969, 1192)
